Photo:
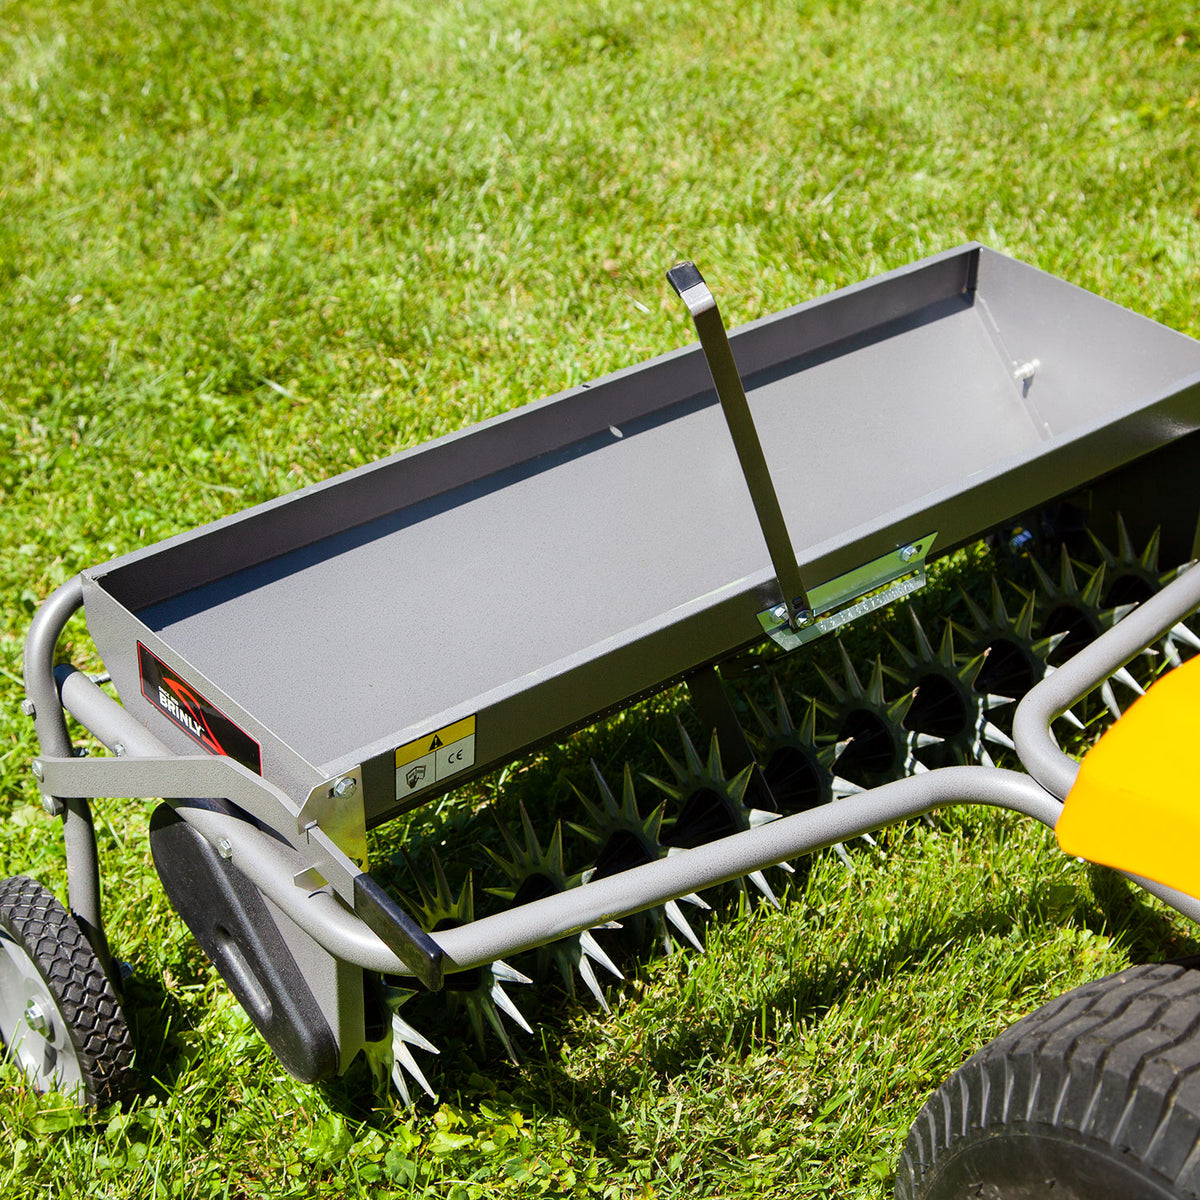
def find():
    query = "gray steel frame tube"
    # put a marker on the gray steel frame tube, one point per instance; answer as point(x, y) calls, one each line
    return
point(274, 867)
point(79, 831)
point(1038, 750)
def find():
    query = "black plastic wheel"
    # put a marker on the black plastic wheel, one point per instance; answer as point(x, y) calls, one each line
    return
point(59, 1016)
point(1095, 1096)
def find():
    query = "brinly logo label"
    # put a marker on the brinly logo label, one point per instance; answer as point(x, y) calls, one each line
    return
point(200, 720)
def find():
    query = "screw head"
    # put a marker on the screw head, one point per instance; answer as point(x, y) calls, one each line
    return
point(36, 1018)
point(39, 772)
point(225, 848)
point(804, 618)
point(345, 787)
point(28, 707)
point(51, 806)
point(119, 749)
point(909, 552)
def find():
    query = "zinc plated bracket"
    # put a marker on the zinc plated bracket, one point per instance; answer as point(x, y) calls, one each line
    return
point(714, 341)
point(854, 594)
point(337, 807)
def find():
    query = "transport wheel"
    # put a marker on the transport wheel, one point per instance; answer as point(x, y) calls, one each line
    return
point(60, 1019)
point(1095, 1096)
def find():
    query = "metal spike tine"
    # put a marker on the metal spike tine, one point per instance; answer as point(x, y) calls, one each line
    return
point(924, 649)
point(866, 837)
point(1122, 675)
point(404, 1057)
point(406, 1033)
point(921, 740)
point(439, 875)
point(629, 804)
point(1072, 719)
point(840, 851)
point(593, 984)
point(695, 766)
point(1171, 652)
point(714, 758)
point(992, 700)
point(853, 683)
point(1149, 558)
point(1118, 614)
point(1105, 553)
point(978, 616)
point(875, 691)
point(1124, 541)
point(493, 1019)
point(946, 654)
point(843, 788)
point(1183, 634)
point(679, 921)
point(501, 970)
point(1066, 572)
point(1024, 622)
point(502, 1001)
point(808, 726)
point(1044, 581)
point(428, 899)
point(532, 845)
point(739, 783)
point(1110, 700)
point(918, 767)
point(835, 690)
point(841, 748)
point(906, 656)
point(593, 949)
point(401, 1084)
point(554, 852)
point(758, 816)
point(764, 722)
point(898, 709)
point(1093, 588)
point(609, 800)
point(760, 881)
point(786, 726)
point(786, 868)
point(999, 613)
point(997, 736)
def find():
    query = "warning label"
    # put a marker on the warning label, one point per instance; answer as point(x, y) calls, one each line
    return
point(435, 757)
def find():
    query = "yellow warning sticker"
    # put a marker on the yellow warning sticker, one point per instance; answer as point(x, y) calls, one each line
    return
point(435, 757)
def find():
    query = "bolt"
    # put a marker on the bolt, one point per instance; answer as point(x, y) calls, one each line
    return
point(36, 1019)
point(39, 772)
point(224, 847)
point(29, 708)
point(804, 618)
point(909, 552)
point(52, 806)
point(345, 787)
point(1026, 371)
point(118, 748)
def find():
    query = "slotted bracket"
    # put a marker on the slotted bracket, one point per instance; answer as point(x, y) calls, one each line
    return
point(714, 341)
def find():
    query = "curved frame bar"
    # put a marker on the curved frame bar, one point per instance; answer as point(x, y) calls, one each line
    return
point(79, 830)
point(1036, 746)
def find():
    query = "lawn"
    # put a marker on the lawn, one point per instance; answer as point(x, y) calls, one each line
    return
point(243, 248)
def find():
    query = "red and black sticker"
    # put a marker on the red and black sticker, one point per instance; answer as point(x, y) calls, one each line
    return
point(202, 721)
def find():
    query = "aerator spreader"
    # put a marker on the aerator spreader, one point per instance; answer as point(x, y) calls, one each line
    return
point(296, 675)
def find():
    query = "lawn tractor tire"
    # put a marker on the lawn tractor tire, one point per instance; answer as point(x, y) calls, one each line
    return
point(1095, 1096)
point(60, 1019)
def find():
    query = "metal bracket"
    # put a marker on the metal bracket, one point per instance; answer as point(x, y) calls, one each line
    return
point(854, 594)
point(337, 807)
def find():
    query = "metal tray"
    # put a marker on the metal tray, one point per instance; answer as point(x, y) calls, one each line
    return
point(515, 580)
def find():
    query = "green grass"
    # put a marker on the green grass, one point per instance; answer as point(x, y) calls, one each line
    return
point(245, 247)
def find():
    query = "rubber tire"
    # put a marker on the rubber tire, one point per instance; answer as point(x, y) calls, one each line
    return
point(41, 934)
point(1095, 1096)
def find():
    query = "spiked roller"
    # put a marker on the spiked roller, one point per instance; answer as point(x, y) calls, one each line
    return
point(296, 676)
